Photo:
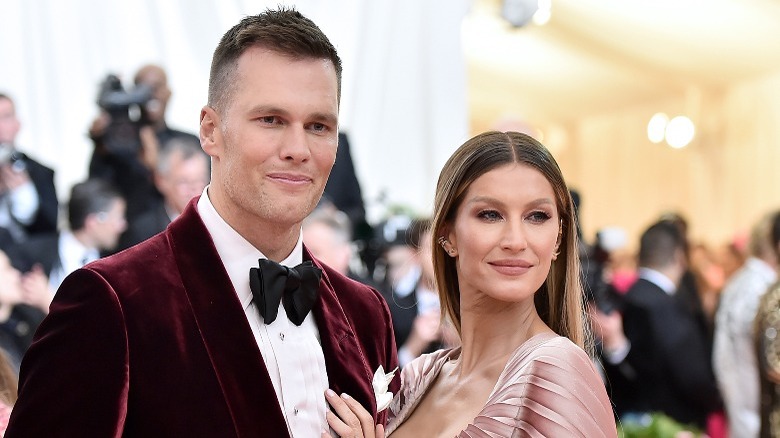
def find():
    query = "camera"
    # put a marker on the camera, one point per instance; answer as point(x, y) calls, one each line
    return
point(125, 109)
point(9, 156)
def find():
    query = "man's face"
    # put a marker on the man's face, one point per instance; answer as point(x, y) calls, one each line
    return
point(9, 124)
point(274, 145)
point(184, 180)
point(109, 225)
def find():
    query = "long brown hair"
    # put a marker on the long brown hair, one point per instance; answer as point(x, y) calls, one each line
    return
point(559, 301)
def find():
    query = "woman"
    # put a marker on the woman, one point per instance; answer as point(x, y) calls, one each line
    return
point(507, 271)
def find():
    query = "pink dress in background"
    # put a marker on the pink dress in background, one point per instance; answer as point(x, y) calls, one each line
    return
point(549, 388)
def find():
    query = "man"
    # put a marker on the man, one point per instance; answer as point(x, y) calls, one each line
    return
point(96, 214)
point(165, 338)
point(28, 199)
point(181, 173)
point(734, 357)
point(131, 170)
point(327, 234)
point(660, 356)
point(410, 292)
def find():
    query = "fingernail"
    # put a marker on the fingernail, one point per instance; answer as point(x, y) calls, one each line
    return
point(345, 396)
point(330, 393)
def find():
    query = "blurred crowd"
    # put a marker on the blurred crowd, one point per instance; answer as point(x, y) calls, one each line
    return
point(141, 176)
point(683, 330)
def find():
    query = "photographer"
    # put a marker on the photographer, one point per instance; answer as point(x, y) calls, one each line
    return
point(126, 149)
point(28, 199)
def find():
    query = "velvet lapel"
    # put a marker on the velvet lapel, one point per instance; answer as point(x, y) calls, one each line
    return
point(348, 368)
point(234, 354)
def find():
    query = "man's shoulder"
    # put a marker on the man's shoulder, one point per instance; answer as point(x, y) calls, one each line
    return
point(35, 166)
point(136, 260)
point(645, 293)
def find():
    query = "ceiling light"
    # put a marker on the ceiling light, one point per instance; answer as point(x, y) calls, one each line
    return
point(543, 14)
point(679, 132)
point(656, 129)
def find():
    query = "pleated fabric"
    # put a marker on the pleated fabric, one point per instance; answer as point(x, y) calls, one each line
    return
point(548, 388)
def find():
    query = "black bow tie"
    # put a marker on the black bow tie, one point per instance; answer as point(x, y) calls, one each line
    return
point(295, 287)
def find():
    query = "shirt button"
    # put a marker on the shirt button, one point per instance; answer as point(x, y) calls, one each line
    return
point(281, 336)
point(295, 411)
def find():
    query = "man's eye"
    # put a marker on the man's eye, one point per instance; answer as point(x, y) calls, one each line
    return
point(319, 127)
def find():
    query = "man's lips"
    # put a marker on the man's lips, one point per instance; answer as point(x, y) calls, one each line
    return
point(290, 178)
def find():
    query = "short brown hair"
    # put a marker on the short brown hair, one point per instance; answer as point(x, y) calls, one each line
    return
point(284, 30)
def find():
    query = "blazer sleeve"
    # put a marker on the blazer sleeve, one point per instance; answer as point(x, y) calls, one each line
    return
point(74, 378)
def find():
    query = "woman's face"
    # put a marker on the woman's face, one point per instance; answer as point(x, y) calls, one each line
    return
point(504, 234)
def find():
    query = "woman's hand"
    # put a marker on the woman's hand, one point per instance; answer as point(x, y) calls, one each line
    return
point(350, 420)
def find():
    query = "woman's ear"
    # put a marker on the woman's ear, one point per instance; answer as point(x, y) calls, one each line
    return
point(448, 241)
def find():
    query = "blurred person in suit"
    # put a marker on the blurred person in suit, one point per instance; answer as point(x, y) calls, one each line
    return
point(131, 169)
point(692, 292)
point(658, 348)
point(734, 357)
point(28, 198)
point(96, 215)
point(224, 325)
point(343, 189)
point(410, 292)
point(767, 342)
point(181, 173)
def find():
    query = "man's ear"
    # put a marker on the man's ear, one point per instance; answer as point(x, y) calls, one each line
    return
point(210, 135)
point(681, 259)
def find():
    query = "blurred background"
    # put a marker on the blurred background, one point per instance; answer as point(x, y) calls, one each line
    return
point(420, 76)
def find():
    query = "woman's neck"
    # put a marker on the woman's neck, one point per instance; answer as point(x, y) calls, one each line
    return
point(490, 335)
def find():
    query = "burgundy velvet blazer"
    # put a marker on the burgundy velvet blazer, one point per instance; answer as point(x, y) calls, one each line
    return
point(153, 341)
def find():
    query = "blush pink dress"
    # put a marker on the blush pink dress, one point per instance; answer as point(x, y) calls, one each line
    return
point(549, 388)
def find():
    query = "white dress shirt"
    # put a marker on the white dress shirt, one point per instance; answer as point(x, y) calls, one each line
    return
point(734, 354)
point(292, 354)
point(658, 279)
point(73, 255)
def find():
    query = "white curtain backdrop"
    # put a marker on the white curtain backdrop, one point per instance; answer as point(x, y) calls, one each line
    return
point(403, 99)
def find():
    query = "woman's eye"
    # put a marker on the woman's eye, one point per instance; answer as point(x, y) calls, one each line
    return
point(539, 216)
point(490, 215)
